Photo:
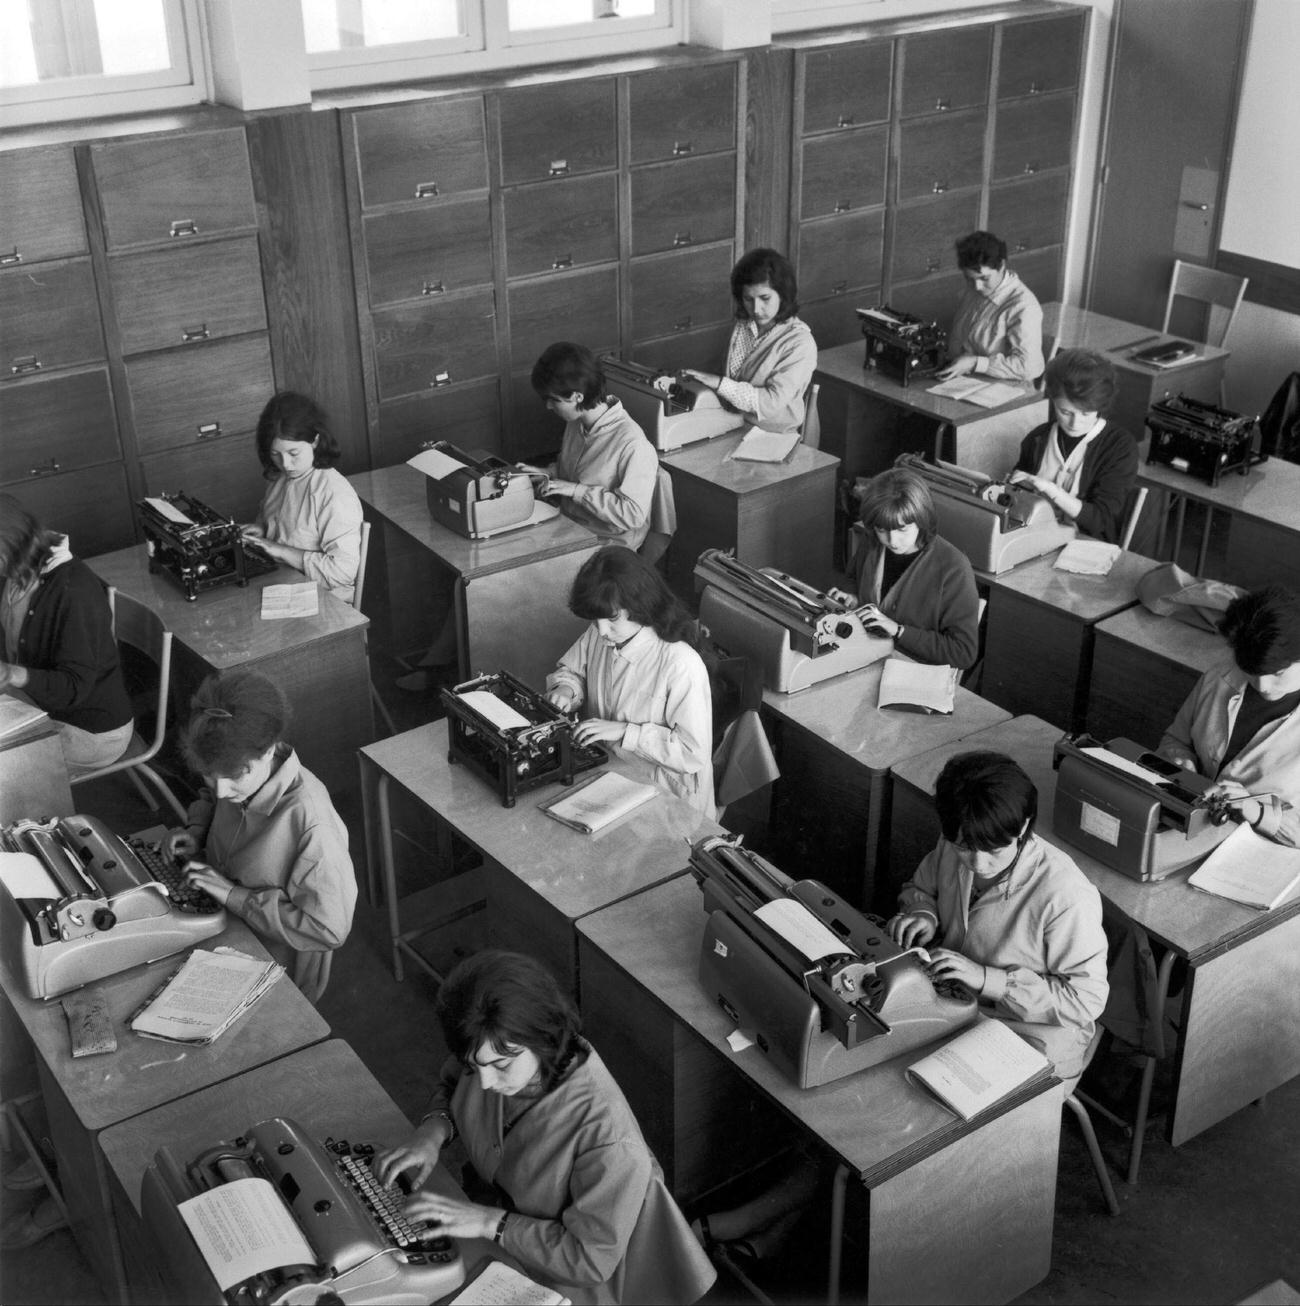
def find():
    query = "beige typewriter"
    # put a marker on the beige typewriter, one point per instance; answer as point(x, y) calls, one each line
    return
point(477, 497)
point(670, 414)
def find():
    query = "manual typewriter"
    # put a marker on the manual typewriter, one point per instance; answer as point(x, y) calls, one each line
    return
point(103, 905)
point(475, 496)
point(900, 346)
point(324, 1203)
point(196, 546)
point(512, 737)
point(821, 987)
point(669, 413)
point(1202, 440)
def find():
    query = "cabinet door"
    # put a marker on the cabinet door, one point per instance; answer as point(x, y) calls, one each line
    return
point(56, 423)
point(675, 293)
point(187, 295)
point(469, 416)
point(581, 306)
point(940, 154)
point(705, 349)
point(48, 317)
point(924, 234)
point(430, 251)
point(946, 71)
point(1041, 272)
point(835, 321)
point(1032, 136)
point(1030, 214)
point(844, 172)
point(558, 225)
point(846, 87)
point(206, 393)
point(225, 474)
point(557, 131)
point(420, 151)
point(434, 343)
point(682, 111)
point(40, 206)
point(840, 254)
point(174, 187)
point(1040, 56)
point(934, 299)
point(679, 204)
point(91, 507)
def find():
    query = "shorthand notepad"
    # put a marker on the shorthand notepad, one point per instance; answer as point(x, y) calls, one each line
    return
point(599, 802)
point(1249, 869)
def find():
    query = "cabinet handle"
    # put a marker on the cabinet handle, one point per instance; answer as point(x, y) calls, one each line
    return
point(184, 227)
point(682, 147)
point(682, 324)
point(564, 261)
point(681, 238)
point(1030, 169)
point(1035, 88)
point(941, 105)
point(842, 206)
point(844, 120)
point(932, 265)
point(24, 364)
point(1021, 246)
point(433, 288)
point(839, 287)
point(1187, 204)
point(440, 379)
point(426, 190)
point(190, 334)
point(209, 430)
point(939, 188)
point(8, 260)
point(44, 469)
point(559, 168)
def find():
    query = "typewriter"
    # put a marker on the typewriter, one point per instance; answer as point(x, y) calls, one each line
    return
point(670, 414)
point(902, 347)
point(512, 737)
point(326, 1229)
point(475, 496)
point(196, 546)
point(1202, 440)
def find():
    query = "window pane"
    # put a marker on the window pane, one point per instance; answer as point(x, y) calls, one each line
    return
point(45, 40)
point(344, 24)
point(527, 15)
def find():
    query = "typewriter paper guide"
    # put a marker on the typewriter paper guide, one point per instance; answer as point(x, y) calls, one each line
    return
point(435, 463)
point(170, 511)
point(25, 876)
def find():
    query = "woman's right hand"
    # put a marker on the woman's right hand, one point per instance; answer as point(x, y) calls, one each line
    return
point(180, 845)
point(912, 929)
point(416, 1157)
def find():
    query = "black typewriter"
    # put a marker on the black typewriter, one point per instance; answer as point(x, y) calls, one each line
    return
point(512, 737)
point(182, 895)
point(196, 546)
point(1204, 441)
point(901, 346)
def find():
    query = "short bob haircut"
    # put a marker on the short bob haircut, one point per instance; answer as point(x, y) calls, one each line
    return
point(897, 498)
point(765, 267)
point(24, 543)
point(291, 416)
point(565, 368)
point(615, 578)
point(1083, 378)
point(234, 719)
point(983, 800)
point(509, 1001)
point(981, 249)
point(1263, 629)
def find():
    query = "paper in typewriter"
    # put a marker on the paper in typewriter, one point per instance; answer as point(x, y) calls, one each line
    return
point(435, 463)
point(494, 709)
point(25, 876)
point(793, 922)
point(170, 511)
point(1135, 769)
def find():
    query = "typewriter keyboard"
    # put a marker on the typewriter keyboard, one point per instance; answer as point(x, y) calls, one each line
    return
point(183, 897)
point(388, 1205)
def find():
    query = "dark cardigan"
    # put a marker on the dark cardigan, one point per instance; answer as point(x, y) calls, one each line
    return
point(66, 643)
point(1110, 466)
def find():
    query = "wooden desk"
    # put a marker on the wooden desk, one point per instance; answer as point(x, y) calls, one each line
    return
point(1143, 668)
point(883, 419)
point(955, 1211)
point(1240, 1021)
point(83, 1097)
point(835, 747)
point(1038, 642)
point(539, 876)
point(772, 514)
point(319, 662)
point(326, 1089)
point(510, 593)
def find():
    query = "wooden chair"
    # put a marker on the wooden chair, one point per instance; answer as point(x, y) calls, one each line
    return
point(1221, 292)
point(357, 592)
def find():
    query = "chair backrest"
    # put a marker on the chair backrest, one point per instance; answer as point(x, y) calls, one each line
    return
point(1221, 292)
point(359, 588)
point(663, 518)
point(812, 423)
point(1137, 497)
point(141, 629)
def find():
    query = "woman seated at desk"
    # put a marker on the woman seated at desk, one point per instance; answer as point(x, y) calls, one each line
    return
point(1079, 462)
point(772, 355)
point(310, 518)
point(564, 1180)
point(919, 590)
point(56, 637)
point(1240, 725)
point(997, 330)
point(634, 676)
point(263, 838)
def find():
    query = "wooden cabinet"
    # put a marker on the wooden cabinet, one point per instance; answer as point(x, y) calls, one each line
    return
point(553, 228)
point(415, 253)
point(428, 345)
point(673, 295)
point(682, 111)
point(90, 506)
point(844, 172)
point(945, 71)
point(48, 318)
point(558, 130)
point(676, 205)
point(941, 154)
point(924, 233)
point(56, 423)
point(839, 256)
point(1030, 214)
point(227, 479)
point(420, 151)
point(469, 416)
point(1033, 136)
point(40, 207)
point(845, 87)
point(1040, 56)
point(582, 306)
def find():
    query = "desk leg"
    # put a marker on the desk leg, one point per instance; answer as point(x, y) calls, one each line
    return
point(1205, 540)
point(387, 864)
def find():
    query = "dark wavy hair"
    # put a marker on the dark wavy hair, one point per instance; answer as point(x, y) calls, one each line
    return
point(897, 498)
point(615, 578)
point(983, 800)
point(509, 1001)
point(981, 249)
point(291, 416)
point(234, 718)
point(565, 367)
point(24, 542)
point(765, 265)
point(1263, 629)
point(1084, 378)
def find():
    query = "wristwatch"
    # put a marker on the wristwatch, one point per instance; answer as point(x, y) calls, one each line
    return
point(443, 1114)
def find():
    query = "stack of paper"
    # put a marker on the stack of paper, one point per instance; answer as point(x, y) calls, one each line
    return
point(500, 1285)
point(1088, 557)
point(917, 687)
point(205, 996)
point(1251, 870)
point(298, 600)
point(979, 1067)
point(599, 802)
point(766, 446)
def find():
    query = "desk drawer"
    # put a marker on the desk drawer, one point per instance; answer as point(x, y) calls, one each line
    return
point(434, 343)
point(557, 131)
point(946, 71)
point(1030, 214)
point(225, 474)
point(679, 112)
point(40, 206)
point(173, 188)
point(847, 87)
point(838, 253)
point(207, 392)
point(469, 416)
point(580, 306)
point(1033, 136)
point(924, 235)
point(91, 506)
point(49, 317)
point(941, 154)
point(677, 205)
point(676, 293)
point(421, 252)
point(1040, 56)
point(56, 424)
point(844, 172)
point(184, 296)
point(420, 151)
point(557, 225)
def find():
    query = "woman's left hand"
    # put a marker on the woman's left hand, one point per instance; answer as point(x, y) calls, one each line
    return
point(454, 1215)
point(562, 489)
point(877, 623)
point(279, 552)
point(949, 965)
point(199, 875)
point(1039, 484)
point(958, 366)
point(596, 731)
point(688, 376)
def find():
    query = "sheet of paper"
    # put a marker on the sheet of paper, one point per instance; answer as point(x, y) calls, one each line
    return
point(435, 463)
point(738, 1040)
point(793, 922)
point(170, 511)
point(283, 601)
point(25, 876)
point(243, 1228)
point(1249, 869)
point(1087, 557)
point(496, 710)
point(1123, 764)
point(956, 387)
point(765, 446)
point(993, 394)
point(501, 1285)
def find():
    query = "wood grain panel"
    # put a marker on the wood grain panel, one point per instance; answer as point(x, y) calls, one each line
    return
point(676, 293)
point(420, 151)
point(580, 306)
point(676, 112)
point(40, 206)
point(225, 474)
point(557, 225)
point(469, 416)
point(49, 317)
point(176, 296)
point(1040, 270)
point(846, 87)
point(675, 205)
point(705, 349)
point(769, 117)
point(839, 253)
point(428, 251)
point(1033, 136)
point(834, 322)
point(416, 344)
point(1040, 56)
point(941, 154)
point(843, 172)
point(56, 423)
point(924, 233)
point(934, 299)
point(557, 130)
point(90, 506)
point(946, 71)
point(1030, 214)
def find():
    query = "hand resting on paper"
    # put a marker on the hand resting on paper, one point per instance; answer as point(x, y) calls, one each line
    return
point(958, 366)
